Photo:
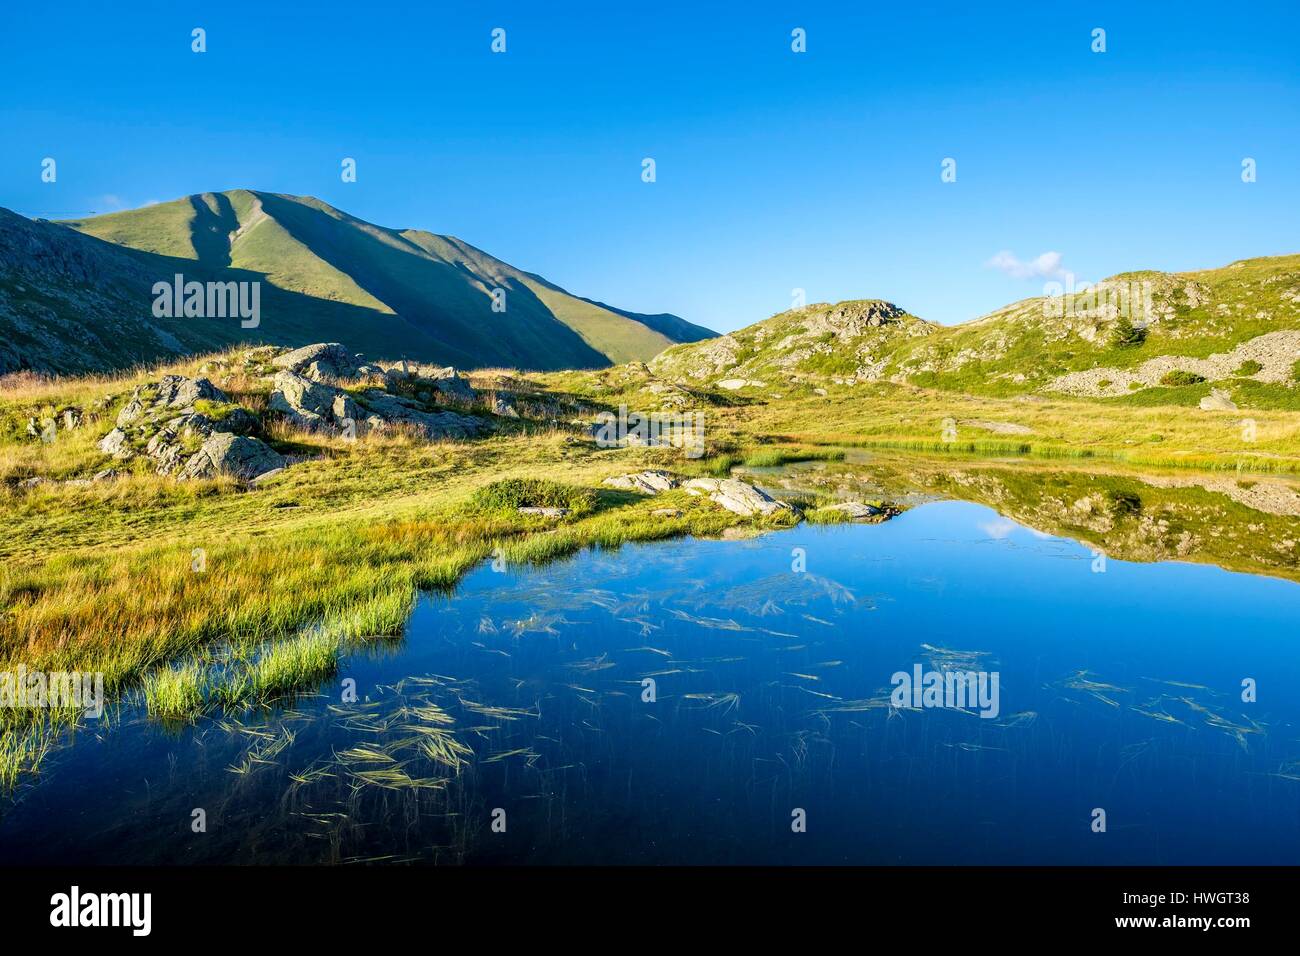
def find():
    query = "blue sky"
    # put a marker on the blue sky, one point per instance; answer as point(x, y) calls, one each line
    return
point(775, 170)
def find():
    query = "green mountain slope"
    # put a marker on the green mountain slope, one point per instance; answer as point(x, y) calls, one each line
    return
point(1139, 338)
point(405, 293)
point(71, 303)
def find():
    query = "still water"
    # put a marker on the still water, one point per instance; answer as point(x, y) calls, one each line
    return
point(769, 662)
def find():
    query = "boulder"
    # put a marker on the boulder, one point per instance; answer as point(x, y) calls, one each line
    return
point(324, 360)
point(736, 496)
point(503, 408)
point(177, 391)
point(1218, 401)
point(545, 512)
point(856, 510)
point(307, 403)
point(227, 454)
point(115, 443)
point(644, 482)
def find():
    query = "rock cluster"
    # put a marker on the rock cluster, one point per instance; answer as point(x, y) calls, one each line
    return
point(162, 422)
point(306, 393)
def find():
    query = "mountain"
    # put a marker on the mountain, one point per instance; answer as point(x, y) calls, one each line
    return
point(1140, 337)
point(77, 296)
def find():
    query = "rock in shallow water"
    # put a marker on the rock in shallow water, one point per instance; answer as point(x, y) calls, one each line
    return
point(736, 496)
point(855, 510)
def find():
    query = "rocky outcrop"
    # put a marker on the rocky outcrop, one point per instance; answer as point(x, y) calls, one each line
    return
point(644, 482)
point(441, 382)
point(161, 422)
point(170, 392)
point(383, 411)
point(301, 392)
point(736, 496)
point(320, 362)
point(307, 403)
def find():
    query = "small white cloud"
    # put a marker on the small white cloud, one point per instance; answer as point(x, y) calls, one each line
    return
point(1046, 266)
point(109, 201)
point(999, 528)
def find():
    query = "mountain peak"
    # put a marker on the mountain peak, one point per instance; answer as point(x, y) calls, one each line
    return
point(388, 293)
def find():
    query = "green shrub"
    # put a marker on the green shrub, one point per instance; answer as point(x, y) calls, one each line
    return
point(511, 494)
point(1179, 377)
point(1248, 367)
point(1126, 335)
point(1105, 383)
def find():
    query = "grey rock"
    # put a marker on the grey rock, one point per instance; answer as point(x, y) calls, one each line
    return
point(644, 482)
point(115, 444)
point(319, 361)
point(266, 476)
point(108, 474)
point(545, 512)
point(177, 391)
point(736, 496)
point(172, 392)
point(307, 403)
point(1218, 401)
point(229, 454)
point(856, 510)
point(445, 379)
point(345, 408)
point(667, 512)
point(387, 410)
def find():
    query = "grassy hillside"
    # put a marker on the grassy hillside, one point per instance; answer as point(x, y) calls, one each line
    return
point(1236, 329)
point(384, 292)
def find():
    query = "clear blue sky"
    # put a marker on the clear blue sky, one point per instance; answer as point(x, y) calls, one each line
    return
point(775, 170)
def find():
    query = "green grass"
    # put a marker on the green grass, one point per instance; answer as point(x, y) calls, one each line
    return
point(289, 666)
point(510, 494)
point(175, 693)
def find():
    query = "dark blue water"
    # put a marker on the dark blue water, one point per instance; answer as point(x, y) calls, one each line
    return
point(1119, 690)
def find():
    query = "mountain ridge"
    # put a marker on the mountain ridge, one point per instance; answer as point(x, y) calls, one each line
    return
point(389, 293)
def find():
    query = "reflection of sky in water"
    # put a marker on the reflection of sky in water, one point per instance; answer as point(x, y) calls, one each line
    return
point(1119, 690)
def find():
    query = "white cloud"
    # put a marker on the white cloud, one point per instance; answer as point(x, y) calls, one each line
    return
point(1046, 266)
